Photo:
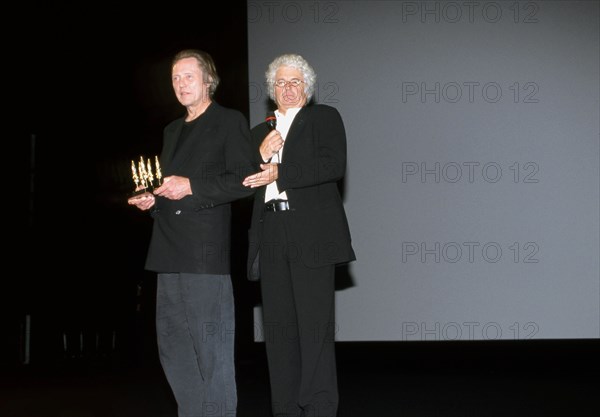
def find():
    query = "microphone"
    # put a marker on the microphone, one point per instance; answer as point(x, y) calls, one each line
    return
point(271, 121)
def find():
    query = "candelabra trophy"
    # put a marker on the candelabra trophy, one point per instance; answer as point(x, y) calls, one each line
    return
point(145, 179)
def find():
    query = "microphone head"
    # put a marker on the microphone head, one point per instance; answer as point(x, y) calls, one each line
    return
point(271, 121)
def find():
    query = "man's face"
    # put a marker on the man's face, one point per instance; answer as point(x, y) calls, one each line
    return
point(287, 95)
point(188, 84)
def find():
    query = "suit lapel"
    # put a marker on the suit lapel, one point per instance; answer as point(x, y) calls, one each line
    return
point(170, 144)
point(295, 129)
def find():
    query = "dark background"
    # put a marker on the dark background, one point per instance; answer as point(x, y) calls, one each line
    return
point(93, 91)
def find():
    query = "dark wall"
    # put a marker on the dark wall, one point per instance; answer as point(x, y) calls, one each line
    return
point(91, 92)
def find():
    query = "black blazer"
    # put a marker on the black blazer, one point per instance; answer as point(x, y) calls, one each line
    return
point(193, 234)
point(314, 160)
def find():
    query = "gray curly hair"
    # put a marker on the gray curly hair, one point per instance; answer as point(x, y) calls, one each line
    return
point(295, 61)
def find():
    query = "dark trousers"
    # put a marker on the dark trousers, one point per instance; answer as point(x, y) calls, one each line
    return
point(195, 329)
point(299, 325)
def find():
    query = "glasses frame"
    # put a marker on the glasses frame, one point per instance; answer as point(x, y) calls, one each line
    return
point(294, 82)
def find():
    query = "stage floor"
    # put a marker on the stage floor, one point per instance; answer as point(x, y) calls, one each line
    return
point(410, 379)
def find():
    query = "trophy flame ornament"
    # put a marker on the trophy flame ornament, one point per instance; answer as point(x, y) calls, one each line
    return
point(158, 172)
point(136, 179)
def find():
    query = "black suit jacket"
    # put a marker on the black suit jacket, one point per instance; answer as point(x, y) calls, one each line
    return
point(314, 160)
point(193, 234)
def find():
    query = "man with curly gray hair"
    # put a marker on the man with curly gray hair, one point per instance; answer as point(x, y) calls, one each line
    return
point(292, 61)
point(299, 233)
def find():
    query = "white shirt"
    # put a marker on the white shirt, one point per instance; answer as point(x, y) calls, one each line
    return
point(284, 121)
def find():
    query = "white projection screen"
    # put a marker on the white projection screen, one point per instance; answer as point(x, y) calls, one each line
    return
point(472, 186)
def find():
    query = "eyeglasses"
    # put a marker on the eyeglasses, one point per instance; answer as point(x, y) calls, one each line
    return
point(293, 82)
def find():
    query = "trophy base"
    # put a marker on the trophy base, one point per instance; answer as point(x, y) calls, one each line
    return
point(143, 193)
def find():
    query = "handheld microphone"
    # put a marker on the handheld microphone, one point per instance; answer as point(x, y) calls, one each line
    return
point(271, 121)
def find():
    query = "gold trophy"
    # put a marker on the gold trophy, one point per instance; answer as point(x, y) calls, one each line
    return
point(145, 179)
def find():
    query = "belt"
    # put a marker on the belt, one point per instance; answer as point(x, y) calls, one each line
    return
point(277, 205)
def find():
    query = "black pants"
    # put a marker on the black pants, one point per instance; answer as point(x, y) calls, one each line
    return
point(299, 325)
